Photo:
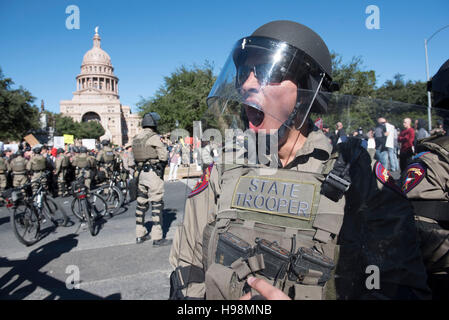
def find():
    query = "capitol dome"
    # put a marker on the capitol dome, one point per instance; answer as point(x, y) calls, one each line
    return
point(97, 72)
point(96, 56)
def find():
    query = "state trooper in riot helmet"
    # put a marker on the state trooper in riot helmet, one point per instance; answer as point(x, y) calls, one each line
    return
point(281, 202)
point(83, 164)
point(36, 167)
point(18, 166)
point(151, 158)
point(425, 182)
point(106, 158)
point(61, 166)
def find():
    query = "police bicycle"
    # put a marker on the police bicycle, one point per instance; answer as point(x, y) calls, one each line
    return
point(29, 212)
point(111, 193)
point(120, 178)
point(87, 206)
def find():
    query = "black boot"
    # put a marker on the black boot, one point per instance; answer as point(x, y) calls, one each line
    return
point(162, 242)
point(143, 239)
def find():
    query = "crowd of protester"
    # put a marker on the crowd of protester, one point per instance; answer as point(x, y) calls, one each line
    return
point(393, 147)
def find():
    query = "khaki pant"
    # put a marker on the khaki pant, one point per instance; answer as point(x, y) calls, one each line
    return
point(19, 180)
point(150, 189)
point(87, 177)
point(2, 182)
point(107, 169)
point(35, 176)
point(61, 182)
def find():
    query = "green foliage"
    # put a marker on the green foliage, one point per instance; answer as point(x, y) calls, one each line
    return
point(351, 78)
point(395, 100)
point(182, 97)
point(81, 130)
point(398, 89)
point(19, 116)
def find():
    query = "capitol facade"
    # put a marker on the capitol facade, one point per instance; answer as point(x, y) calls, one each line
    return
point(97, 97)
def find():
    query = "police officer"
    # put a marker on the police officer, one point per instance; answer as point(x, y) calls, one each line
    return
point(36, 168)
point(83, 163)
point(426, 183)
point(3, 172)
point(105, 158)
point(266, 216)
point(61, 166)
point(128, 160)
point(4, 168)
point(18, 166)
point(151, 157)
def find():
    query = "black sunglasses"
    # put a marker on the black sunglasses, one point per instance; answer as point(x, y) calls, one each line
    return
point(266, 73)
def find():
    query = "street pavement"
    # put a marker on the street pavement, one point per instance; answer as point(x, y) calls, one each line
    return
point(110, 264)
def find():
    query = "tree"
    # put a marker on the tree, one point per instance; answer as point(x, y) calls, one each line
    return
point(19, 116)
point(90, 130)
point(181, 98)
point(80, 130)
point(408, 92)
point(351, 78)
point(351, 105)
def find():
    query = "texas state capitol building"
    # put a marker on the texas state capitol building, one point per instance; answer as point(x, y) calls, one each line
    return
point(96, 97)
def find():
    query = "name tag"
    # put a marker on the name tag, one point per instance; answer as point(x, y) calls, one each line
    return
point(275, 196)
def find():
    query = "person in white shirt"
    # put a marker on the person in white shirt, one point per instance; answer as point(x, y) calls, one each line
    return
point(393, 164)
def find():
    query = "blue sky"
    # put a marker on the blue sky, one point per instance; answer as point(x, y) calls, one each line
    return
point(148, 40)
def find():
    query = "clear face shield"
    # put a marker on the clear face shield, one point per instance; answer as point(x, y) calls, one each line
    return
point(260, 91)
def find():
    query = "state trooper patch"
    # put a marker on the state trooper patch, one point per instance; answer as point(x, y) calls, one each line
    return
point(384, 176)
point(415, 173)
point(203, 182)
point(283, 197)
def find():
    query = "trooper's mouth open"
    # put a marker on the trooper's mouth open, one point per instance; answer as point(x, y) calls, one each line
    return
point(255, 116)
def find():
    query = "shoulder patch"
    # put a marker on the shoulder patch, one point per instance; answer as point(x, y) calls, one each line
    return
point(415, 173)
point(384, 176)
point(203, 182)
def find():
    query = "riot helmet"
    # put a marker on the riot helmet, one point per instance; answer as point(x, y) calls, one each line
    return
point(75, 149)
point(105, 142)
point(439, 85)
point(150, 120)
point(83, 149)
point(60, 150)
point(37, 150)
point(275, 77)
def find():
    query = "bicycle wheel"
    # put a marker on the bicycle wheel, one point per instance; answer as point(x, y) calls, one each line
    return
point(76, 209)
point(56, 214)
point(123, 186)
point(25, 224)
point(98, 205)
point(113, 197)
point(85, 207)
